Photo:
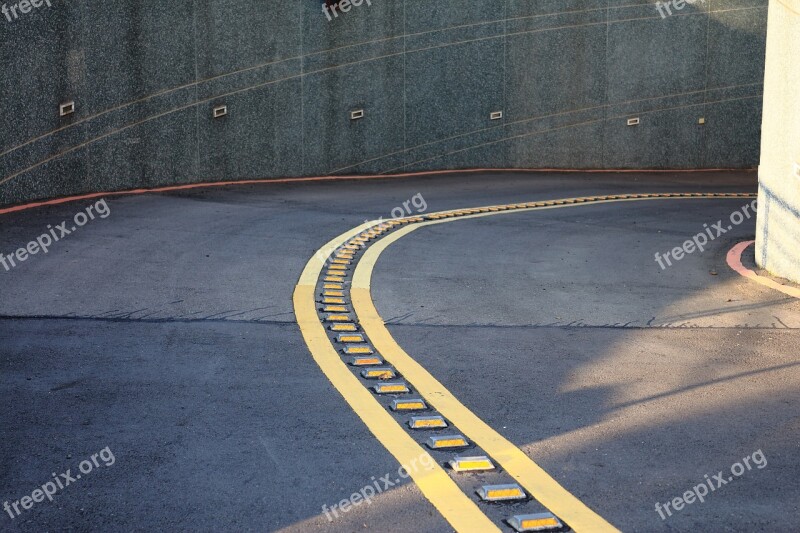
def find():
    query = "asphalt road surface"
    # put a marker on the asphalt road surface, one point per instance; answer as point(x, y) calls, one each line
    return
point(159, 346)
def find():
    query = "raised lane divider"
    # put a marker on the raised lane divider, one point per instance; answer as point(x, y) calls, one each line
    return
point(361, 247)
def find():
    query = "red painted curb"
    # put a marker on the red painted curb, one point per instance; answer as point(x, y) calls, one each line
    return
point(734, 259)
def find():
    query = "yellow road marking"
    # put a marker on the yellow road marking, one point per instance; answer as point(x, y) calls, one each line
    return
point(461, 512)
point(521, 467)
point(526, 472)
point(343, 327)
point(437, 486)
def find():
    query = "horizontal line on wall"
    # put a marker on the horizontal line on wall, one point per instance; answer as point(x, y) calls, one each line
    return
point(406, 150)
point(302, 57)
point(566, 126)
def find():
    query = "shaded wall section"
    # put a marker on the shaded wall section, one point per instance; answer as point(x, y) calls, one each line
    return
point(778, 228)
point(566, 74)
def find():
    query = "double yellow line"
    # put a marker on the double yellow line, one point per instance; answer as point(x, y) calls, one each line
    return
point(462, 513)
point(456, 507)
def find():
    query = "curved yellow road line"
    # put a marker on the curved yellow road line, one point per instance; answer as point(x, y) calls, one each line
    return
point(461, 512)
point(518, 465)
point(437, 486)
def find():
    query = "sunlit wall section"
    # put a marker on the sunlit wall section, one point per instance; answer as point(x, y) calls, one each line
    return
point(778, 231)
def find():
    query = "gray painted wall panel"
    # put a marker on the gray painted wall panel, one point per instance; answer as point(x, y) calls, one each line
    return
point(567, 74)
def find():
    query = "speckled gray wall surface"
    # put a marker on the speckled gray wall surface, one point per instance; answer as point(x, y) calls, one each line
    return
point(567, 74)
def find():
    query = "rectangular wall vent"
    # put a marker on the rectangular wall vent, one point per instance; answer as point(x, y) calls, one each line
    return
point(65, 109)
point(220, 111)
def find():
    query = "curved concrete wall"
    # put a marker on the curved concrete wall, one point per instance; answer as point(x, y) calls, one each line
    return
point(566, 74)
point(778, 230)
